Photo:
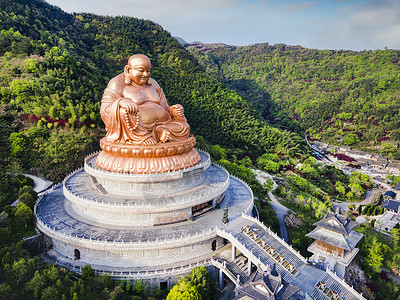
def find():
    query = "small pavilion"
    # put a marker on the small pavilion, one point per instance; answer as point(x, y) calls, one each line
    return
point(335, 243)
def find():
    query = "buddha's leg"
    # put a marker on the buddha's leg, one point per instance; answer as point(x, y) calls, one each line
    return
point(161, 133)
point(134, 131)
point(173, 131)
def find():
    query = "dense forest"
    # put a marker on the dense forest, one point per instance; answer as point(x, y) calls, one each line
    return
point(339, 96)
point(54, 67)
point(247, 106)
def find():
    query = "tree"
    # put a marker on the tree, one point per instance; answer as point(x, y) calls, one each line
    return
point(50, 293)
point(105, 279)
point(374, 256)
point(28, 189)
point(351, 139)
point(23, 213)
point(246, 161)
point(27, 199)
point(138, 287)
point(355, 276)
point(218, 152)
point(395, 237)
point(20, 270)
point(36, 284)
point(349, 196)
point(340, 188)
point(183, 290)
point(200, 278)
point(18, 143)
point(269, 185)
point(87, 272)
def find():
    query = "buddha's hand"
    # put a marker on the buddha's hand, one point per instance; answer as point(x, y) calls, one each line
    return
point(128, 104)
point(177, 112)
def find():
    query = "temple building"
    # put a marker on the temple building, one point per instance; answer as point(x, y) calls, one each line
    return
point(267, 285)
point(150, 206)
point(335, 243)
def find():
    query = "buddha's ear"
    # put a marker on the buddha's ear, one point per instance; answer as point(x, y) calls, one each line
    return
point(127, 77)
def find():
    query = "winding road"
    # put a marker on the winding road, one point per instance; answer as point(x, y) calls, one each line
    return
point(40, 184)
point(281, 210)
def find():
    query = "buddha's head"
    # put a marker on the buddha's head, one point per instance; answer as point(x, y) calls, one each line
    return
point(138, 70)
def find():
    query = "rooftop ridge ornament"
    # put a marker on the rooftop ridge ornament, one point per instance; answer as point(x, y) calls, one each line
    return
point(144, 135)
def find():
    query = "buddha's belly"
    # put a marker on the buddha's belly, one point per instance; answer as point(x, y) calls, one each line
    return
point(152, 113)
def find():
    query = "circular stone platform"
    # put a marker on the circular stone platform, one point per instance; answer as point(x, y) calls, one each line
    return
point(77, 240)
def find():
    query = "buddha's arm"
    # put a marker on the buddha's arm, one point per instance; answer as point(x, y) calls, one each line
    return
point(113, 97)
point(176, 110)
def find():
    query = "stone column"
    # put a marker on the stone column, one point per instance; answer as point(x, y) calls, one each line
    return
point(233, 252)
point(221, 279)
point(248, 267)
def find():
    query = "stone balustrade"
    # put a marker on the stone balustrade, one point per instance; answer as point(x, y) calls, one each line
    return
point(169, 204)
point(248, 253)
point(101, 244)
point(135, 275)
point(153, 177)
point(224, 269)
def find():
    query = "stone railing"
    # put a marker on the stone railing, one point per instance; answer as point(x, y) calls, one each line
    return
point(345, 284)
point(223, 268)
point(248, 253)
point(153, 177)
point(277, 237)
point(127, 245)
point(141, 274)
point(169, 204)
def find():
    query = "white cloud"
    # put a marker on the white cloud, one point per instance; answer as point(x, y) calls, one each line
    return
point(369, 25)
point(335, 24)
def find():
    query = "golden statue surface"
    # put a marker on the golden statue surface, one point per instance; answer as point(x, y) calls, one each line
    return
point(144, 134)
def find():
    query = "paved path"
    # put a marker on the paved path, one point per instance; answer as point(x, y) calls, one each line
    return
point(281, 212)
point(39, 185)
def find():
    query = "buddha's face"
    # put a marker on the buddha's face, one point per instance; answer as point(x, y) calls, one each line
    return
point(139, 69)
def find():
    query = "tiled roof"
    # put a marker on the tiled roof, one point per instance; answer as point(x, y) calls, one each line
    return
point(347, 242)
point(267, 285)
point(336, 222)
point(390, 194)
point(391, 204)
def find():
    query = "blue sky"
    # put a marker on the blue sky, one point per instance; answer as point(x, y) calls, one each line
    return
point(321, 24)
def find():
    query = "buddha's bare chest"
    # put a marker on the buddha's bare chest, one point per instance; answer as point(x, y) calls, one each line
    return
point(141, 94)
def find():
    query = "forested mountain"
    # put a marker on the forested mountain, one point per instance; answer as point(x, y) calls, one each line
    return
point(338, 96)
point(54, 67)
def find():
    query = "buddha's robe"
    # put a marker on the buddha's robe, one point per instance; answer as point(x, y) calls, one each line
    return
point(153, 116)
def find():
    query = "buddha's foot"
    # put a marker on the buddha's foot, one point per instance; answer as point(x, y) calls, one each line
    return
point(150, 141)
point(165, 135)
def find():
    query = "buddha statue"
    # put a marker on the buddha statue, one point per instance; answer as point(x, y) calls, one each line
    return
point(143, 133)
point(135, 110)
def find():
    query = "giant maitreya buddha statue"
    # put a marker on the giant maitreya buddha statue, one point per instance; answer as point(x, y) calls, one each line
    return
point(144, 134)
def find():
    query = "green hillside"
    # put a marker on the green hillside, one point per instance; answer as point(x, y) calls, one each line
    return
point(54, 67)
point(337, 96)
